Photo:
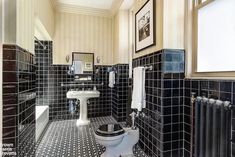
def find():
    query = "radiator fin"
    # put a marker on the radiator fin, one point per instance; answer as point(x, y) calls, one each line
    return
point(212, 128)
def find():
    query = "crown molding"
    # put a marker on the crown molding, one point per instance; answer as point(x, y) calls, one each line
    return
point(115, 6)
point(67, 8)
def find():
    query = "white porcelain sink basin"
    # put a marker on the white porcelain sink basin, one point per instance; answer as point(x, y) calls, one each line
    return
point(83, 96)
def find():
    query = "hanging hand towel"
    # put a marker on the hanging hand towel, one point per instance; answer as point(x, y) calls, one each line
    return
point(138, 95)
point(111, 79)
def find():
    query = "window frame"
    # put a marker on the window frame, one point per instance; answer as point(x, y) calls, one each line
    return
point(192, 73)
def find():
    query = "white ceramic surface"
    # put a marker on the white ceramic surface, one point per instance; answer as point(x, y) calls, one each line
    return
point(121, 145)
point(83, 96)
point(42, 118)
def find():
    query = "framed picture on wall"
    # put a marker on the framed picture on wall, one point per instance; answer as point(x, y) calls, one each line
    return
point(145, 26)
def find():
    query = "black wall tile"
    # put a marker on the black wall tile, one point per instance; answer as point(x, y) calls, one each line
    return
point(51, 93)
point(164, 90)
point(120, 92)
point(18, 99)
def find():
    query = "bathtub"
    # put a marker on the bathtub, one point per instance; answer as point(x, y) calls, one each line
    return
point(42, 118)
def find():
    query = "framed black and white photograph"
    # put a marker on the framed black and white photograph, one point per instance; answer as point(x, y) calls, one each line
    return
point(145, 26)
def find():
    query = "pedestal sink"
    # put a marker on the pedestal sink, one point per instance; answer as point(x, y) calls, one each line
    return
point(83, 96)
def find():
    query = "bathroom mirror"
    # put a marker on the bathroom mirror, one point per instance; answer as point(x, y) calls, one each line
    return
point(83, 63)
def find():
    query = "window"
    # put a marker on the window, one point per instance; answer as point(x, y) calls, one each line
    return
point(213, 38)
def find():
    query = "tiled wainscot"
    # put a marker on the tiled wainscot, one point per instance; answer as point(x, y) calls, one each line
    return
point(19, 99)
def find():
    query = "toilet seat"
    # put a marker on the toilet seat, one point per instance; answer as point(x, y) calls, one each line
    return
point(110, 138)
point(110, 130)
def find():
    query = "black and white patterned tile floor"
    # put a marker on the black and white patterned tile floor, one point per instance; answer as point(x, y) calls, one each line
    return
point(65, 139)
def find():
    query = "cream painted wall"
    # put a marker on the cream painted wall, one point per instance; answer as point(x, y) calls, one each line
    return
point(115, 37)
point(170, 16)
point(25, 24)
point(44, 11)
point(189, 62)
point(82, 33)
point(121, 37)
point(173, 24)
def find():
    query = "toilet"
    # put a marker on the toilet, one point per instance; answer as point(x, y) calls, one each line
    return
point(118, 141)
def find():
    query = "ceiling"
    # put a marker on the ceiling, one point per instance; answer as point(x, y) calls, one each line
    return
point(105, 8)
point(127, 4)
point(97, 4)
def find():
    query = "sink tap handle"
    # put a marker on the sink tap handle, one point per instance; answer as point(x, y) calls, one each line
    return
point(77, 102)
point(94, 88)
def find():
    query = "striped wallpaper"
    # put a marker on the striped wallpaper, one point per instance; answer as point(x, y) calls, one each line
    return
point(82, 33)
point(25, 25)
point(23, 21)
point(44, 11)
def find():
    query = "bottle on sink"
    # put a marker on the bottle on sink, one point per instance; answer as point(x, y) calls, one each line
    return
point(71, 107)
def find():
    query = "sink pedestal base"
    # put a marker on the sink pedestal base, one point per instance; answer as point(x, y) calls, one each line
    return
point(83, 120)
point(83, 96)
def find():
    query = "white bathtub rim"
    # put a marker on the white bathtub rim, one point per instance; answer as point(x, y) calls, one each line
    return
point(40, 110)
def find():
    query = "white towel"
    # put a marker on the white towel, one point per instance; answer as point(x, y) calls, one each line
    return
point(78, 67)
point(138, 94)
point(111, 79)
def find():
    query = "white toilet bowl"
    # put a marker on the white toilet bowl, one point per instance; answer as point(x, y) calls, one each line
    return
point(117, 140)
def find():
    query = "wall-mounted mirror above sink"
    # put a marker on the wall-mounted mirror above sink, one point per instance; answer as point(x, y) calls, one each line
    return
point(83, 63)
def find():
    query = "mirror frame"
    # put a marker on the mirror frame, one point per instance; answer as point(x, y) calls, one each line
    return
point(73, 53)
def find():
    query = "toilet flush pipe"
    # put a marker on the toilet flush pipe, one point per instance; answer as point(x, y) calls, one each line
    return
point(133, 116)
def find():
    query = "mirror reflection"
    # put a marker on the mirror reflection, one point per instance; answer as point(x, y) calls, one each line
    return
point(83, 63)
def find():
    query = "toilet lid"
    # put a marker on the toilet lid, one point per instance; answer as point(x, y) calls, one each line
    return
point(109, 130)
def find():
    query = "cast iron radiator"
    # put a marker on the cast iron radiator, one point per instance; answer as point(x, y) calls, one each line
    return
point(212, 128)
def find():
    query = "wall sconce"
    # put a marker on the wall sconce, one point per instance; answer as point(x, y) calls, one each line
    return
point(98, 59)
point(67, 58)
